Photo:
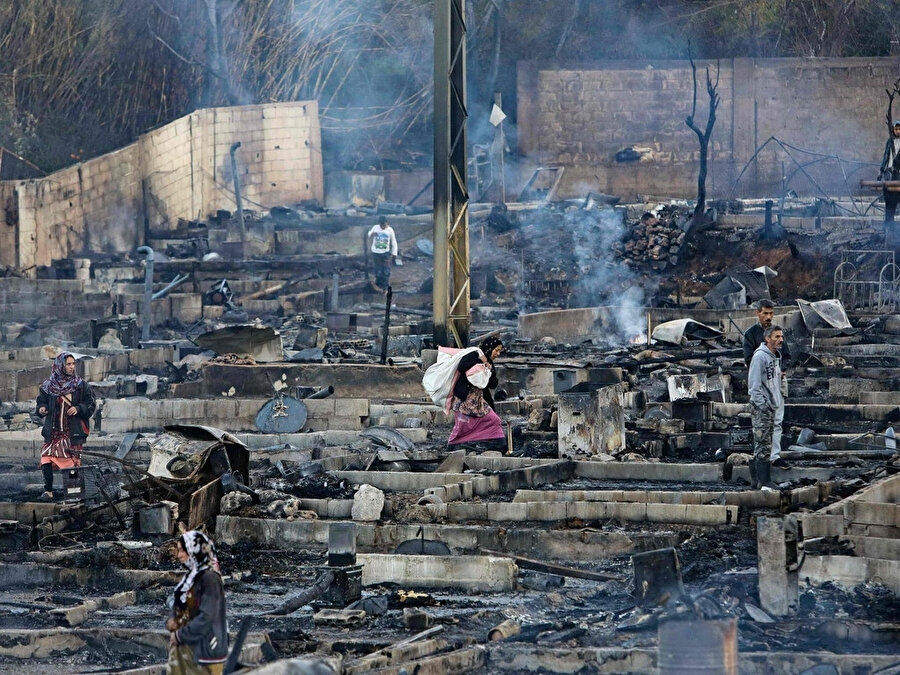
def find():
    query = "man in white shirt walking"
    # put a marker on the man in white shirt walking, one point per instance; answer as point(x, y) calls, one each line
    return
point(383, 243)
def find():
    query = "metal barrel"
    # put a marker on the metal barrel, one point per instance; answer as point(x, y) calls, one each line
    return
point(707, 647)
point(504, 630)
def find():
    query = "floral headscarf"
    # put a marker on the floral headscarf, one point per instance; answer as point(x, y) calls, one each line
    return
point(488, 344)
point(59, 383)
point(201, 557)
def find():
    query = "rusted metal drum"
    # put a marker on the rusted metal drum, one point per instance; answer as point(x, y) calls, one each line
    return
point(707, 647)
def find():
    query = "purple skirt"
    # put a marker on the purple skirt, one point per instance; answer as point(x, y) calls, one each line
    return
point(469, 429)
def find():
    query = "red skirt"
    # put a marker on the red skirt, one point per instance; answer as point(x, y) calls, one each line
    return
point(469, 429)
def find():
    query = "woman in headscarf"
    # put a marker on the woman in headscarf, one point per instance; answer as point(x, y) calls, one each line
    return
point(66, 402)
point(473, 402)
point(198, 642)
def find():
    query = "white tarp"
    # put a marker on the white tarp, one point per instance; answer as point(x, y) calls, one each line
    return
point(823, 313)
point(680, 330)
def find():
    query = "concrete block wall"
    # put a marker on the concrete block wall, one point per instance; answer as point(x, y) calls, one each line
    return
point(578, 115)
point(168, 167)
point(181, 170)
point(72, 299)
point(230, 414)
point(280, 158)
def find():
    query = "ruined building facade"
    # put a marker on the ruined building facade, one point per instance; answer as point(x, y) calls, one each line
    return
point(579, 115)
point(181, 170)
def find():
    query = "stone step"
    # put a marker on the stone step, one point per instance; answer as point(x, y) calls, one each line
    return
point(849, 571)
point(651, 471)
point(581, 546)
point(693, 514)
point(471, 572)
point(746, 498)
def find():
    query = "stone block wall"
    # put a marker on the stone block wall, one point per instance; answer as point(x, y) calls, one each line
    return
point(181, 170)
point(230, 414)
point(580, 115)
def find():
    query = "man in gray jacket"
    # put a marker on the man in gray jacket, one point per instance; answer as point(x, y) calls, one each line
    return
point(766, 404)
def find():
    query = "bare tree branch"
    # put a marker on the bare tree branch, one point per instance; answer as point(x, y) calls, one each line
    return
point(703, 136)
point(174, 52)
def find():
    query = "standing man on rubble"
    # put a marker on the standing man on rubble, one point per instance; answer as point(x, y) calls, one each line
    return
point(753, 338)
point(383, 244)
point(890, 170)
point(766, 404)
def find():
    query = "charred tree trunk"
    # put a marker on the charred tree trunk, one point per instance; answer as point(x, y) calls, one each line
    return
point(889, 118)
point(704, 135)
point(216, 61)
point(570, 24)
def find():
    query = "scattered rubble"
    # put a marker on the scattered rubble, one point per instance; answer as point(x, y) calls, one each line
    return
point(615, 515)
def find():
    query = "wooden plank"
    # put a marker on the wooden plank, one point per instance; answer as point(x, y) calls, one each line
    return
point(339, 617)
point(539, 566)
point(125, 445)
point(205, 504)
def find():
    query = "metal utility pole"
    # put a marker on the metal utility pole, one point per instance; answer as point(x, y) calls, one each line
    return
point(451, 194)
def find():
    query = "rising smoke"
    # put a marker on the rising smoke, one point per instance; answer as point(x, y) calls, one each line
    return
point(603, 278)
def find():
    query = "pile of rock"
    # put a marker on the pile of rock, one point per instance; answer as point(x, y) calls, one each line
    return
point(656, 243)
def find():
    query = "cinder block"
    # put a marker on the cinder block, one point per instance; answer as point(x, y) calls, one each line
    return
point(467, 511)
point(545, 511)
point(666, 513)
point(320, 407)
point(588, 510)
point(316, 424)
point(467, 488)
point(481, 485)
point(507, 511)
point(247, 409)
point(339, 508)
point(351, 407)
point(344, 423)
point(114, 408)
point(629, 512)
point(453, 492)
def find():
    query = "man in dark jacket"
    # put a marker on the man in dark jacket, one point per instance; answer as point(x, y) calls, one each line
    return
point(753, 338)
point(890, 170)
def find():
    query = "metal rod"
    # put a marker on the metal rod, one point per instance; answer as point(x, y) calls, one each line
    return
point(307, 595)
point(237, 191)
point(387, 324)
point(176, 282)
point(147, 308)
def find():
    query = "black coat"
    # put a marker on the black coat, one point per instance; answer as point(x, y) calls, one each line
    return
point(79, 424)
point(462, 387)
point(207, 632)
point(754, 337)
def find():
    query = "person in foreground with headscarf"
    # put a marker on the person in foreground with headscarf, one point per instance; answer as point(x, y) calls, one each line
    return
point(472, 401)
point(66, 402)
point(198, 642)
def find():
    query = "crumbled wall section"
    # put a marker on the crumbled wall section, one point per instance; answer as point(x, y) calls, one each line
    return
point(181, 170)
point(9, 219)
point(580, 115)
